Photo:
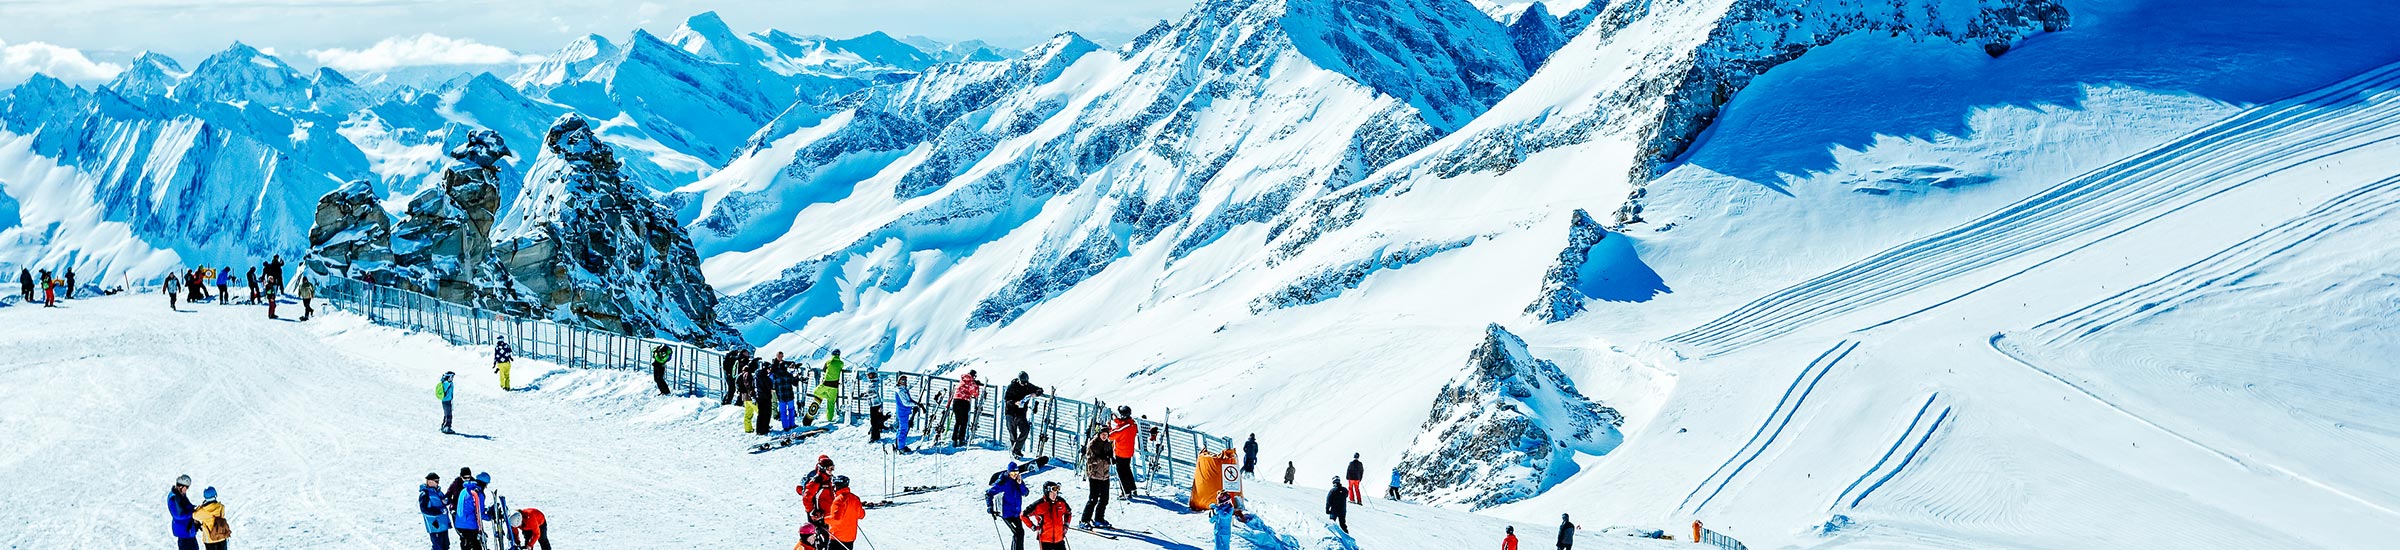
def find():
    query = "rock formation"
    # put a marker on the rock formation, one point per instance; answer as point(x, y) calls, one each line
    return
point(1505, 430)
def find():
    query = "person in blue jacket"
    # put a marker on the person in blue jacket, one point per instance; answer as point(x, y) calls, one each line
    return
point(179, 508)
point(1222, 515)
point(1394, 492)
point(443, 392)
point(467, 515)
point(436, 509)
point(905, 407)
point(1010, 487)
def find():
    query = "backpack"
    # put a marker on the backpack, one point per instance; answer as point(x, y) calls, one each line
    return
point(218, 528)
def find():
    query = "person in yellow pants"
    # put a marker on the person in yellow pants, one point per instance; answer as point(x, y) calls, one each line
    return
point(829, 392)
point(501, 357)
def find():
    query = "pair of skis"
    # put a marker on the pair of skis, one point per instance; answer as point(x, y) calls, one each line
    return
point(790, 439)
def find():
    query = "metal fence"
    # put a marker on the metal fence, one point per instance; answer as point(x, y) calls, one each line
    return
point(1711, 537)
point(1058, 427)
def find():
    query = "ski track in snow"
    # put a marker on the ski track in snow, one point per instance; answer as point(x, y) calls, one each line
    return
point(2264, 140)
point(1823, 364)
point(1913, 421)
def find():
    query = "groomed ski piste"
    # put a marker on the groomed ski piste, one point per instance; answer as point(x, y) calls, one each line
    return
point(317, 434)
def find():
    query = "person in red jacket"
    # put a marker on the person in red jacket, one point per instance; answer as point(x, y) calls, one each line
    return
point(962, 407)
point(531, 528)
point(1048, 517)
point(843, 513)
point(1123, 432)
point(816, 494)
point(1510, 543)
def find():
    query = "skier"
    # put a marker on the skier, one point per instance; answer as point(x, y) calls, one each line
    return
point(731, 361)
point(49, 290)
point(172, 285)
point(1019, 398)
point(1222, 515)
point(1394, 492)
point(1097, 454)
point(844, 514)
point(436, 510)
point(1048, 518)
point(904, 406)
point(1566, 533)
point(1337, 505)
point(1288, 470)
point(502, 358)
point(179, 510)
point(209, 519)
point(308, 297)
point(532, 528)
point(876, 419)
point(658, 366)
point(1122, 432)
point(762, 391)
point(1009, 485)
point(467, 514)
point(829, 387)
point(962, 402)
point(442, 391)
point(1509, 543)
point(816, 492)
point(1250, 456)
point(1358, 471)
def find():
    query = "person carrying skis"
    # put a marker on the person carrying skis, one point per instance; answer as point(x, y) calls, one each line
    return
point(179, 512)
point(1393, 493)
point(1048, 517)
point(1222, 516)
point(1358, 471)
point(904, 409)
point(532, 529)
point(844, 513)
point(1123, 432)
point(962, 405)
point(442, 391)
point(1566, 533)
point(1509, 542)
point(1009, 485)
point(502, 358)
point(435, 507)
point(829, 388)
point(1019, 398)
point(209, 518)
point(1250, 456)
point(658, 366)
point(308, 297)
point(1097, 455)
point(466, 514)
point(1337, 505)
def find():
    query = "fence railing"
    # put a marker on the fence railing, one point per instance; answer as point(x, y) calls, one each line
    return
point(1704, 535)
point(1059, 427)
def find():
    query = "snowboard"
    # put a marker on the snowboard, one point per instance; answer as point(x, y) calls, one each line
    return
point(790, 439)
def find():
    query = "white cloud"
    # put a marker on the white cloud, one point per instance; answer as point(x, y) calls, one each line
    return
point(410, 51)
point(20, 61)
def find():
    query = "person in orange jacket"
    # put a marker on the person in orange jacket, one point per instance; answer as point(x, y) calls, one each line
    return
point(844, 513)
point(1510, 543)
point(1048, 517)
point(1124, 433)
point(532, 528)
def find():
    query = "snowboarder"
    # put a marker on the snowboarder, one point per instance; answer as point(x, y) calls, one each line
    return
point(1250, 456)
point(1358, 471)
point(658, 366)
point(1048, 517)
point(829, 388)
point(172, 285)
point(816, 492)
point(532, 529)
point(502, 358)
point(1097, 454)
point(308, 297)
point(1337, 505)
point(442, 391)
point(962, 404)
point(1288, 470)
point(904, 409)
point(1566, 533)
point(467, 514)
point(435, 508)
point(179, 510)
point(1393, 493)
point(209, 518)
point(1009, 485)
point(1019, 398)
point(1122, 432)
point(1509, 542)
point(845, 511)
point(1222, 516)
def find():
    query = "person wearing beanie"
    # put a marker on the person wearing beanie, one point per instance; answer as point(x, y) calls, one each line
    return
point(1358, 471)
point(1337, 505)
point(502, 359)
point(1009, 486)
point(1509, 542)
point(179, 510)
point(435, 507)
point(209, 518)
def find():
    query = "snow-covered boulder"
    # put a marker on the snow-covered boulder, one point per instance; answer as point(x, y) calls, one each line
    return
point(352, 235)
point(587, 246)
point(1507, 429)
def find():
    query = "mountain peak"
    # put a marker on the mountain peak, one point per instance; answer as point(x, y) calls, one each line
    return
point(707, 36)
point(242, 73)
point(150, 75)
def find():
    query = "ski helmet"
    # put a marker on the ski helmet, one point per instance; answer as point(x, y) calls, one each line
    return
point(516, 519)
point(183, 481)
point(1125, 411)
point(841, 482)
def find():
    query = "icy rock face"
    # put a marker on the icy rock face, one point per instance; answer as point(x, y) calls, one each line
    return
point(587, 246)
point(442, 247)
point(1535, 35)
point(1560, 299)
point(1446, 58)
point(1505, 430)
point(352, 236)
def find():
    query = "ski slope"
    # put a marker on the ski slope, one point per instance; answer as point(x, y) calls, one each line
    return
point(316, 435)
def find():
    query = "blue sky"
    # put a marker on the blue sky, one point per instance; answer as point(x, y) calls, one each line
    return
point(48, 35)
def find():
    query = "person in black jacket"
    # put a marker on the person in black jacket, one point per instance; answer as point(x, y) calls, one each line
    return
point(1250, 456)
point(25, 284)
point(786, 407)
point(1358, 471)
point(1019, 397)
point(732, 362)
point(1337, 505)
point(1566, 533)
point(762, 389)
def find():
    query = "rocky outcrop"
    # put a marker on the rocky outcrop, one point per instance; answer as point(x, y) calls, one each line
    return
point(1560, 299)
point(1507, 429)
point(586, 246)
point(352, 236)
